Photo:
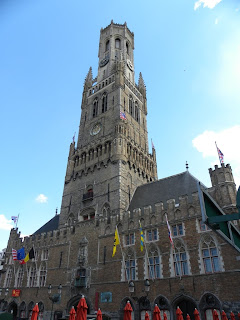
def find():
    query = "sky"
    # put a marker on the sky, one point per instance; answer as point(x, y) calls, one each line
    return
point(188, 52)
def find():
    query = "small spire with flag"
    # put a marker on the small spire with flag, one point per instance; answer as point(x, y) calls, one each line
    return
point(220, 154)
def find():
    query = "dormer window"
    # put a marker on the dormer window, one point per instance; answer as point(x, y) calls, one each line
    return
point(118, 43)
point(107, 45)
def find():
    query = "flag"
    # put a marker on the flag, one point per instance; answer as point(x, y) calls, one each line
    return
point(21, 254)
point(14, 254)
point(30, 255)
point(14, 219)
point(220, 155)
point(141, 236)
point(169, 233)
point(116, 242)
point(123, 115)
point(22, 261)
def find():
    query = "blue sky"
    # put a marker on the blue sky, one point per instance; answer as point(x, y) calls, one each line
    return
point(188, 52)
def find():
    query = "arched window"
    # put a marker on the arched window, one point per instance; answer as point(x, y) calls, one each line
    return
point(136, 112)
point(153, 263)
point(95, 108)
point(104, 103)
point(22, 310)
point(9, 277)
point(117, 43)
point(32, 276)
point(42, 275)
point(180, 259)
point(30, 307)
point(130, 265)
point(210, 255)
point(130, 106)
point(107, 45)
point(127, 48)
point(19, 277)
point(41, 310)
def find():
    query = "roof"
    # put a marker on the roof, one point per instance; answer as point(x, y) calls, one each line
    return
point(49, 226)
point(165, 189)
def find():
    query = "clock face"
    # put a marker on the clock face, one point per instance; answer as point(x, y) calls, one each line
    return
point(103, 62)
point(129, 64)
point(96, 129)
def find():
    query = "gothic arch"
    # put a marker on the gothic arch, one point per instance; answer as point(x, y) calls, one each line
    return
point(209, 301)
point(208, 243)
point(123, 304)
point(186, 303)
point(74, 302)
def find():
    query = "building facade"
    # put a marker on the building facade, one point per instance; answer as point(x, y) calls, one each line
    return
point(111, 180)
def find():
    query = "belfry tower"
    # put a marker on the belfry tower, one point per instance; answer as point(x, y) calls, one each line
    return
point(111, 157)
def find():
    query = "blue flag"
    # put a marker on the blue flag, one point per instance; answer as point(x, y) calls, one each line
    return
point(21, 254)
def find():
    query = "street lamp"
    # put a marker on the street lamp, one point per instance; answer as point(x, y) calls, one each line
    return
point(143, 302)
point(55, 297)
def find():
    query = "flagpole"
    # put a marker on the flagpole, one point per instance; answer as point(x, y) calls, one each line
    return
point(122, 253)
point(17, 221)
point(146, 252)
point(217, 152)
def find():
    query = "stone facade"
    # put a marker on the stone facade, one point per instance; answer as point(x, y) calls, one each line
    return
point(104, 171)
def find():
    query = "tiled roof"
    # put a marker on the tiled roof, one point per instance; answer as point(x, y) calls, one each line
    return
point(49, 226)
point(162, 190)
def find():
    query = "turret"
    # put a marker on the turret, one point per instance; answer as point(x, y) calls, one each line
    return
point(223, 187)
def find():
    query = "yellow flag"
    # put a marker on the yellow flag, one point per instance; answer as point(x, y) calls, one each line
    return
point(26, 258)
point(116, 242)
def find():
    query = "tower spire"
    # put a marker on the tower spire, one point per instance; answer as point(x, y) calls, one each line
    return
point(141, 85)
point(88, 79)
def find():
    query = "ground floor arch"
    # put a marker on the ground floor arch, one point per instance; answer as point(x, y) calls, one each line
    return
point(13, 309)
point(73, 302)
point(186, 303)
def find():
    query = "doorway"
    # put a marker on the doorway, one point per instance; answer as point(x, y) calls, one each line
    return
point(13, 309)
point(187, 307)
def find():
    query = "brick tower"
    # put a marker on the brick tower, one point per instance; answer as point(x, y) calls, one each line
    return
point(223, 187)
point(111, 158)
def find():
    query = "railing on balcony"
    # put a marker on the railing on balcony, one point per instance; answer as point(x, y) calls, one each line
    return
point(88, 196)
point(80, 282)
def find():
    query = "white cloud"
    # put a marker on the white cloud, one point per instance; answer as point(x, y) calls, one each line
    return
point(5, 224)
point(216, 21)
point(41, 198)
point(206, 3)
point(227, 141)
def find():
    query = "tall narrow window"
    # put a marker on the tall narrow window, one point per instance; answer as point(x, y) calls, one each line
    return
point(43, 275)
point(210, 256)
point(154, 264)
point(95, 108)
point(127, 48)
point(130, 264)
point(104, 103)
point(9, 278)
point(20, 277)
point(180, 260)
point(130, 106)
point(118, 43)
point(107, 45)
point(136, 112)
point(32, 277)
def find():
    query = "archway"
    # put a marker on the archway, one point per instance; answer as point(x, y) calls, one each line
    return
point(186, 304)
point(74, 302)
point(13, 309)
